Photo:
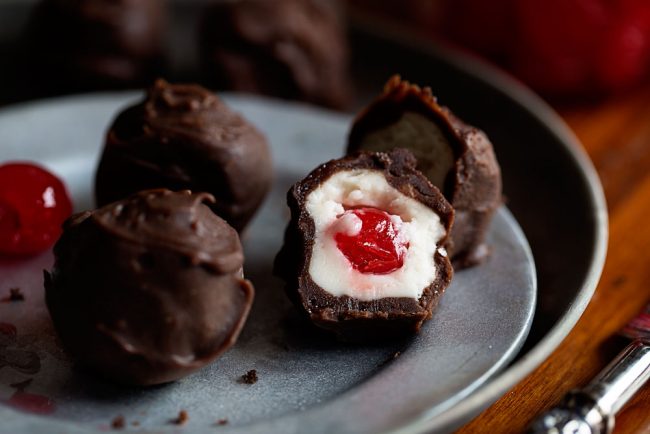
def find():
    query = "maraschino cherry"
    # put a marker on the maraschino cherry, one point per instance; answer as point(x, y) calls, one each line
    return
point(377, 248)
point(33, 205)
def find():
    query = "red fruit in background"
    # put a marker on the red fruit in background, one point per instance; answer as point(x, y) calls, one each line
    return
point(33, 205)
point(559, 47)
point(377, 248)
point(555, 43)
point(624, 55)
point(581, 46)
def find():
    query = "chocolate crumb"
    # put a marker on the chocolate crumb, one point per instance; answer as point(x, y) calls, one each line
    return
point(118, 423)
point(250, 377)
point(222, 422)
point(14, 295)
point(181, 418)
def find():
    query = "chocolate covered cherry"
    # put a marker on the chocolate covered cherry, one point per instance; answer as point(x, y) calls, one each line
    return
point(364, 251)
point(184, 137)
point(148, 289)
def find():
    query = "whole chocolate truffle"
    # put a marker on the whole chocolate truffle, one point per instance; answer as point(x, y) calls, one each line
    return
point(148, 289)
point(184, 137)
point(363, 253)
point(89, 44)
point(293, 49)
point(456, 157)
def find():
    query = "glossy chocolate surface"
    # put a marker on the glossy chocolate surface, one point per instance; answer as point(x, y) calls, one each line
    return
point(148, 289)
point(182, 136)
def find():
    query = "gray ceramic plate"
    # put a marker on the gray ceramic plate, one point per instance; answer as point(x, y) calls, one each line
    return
point(552, 188)
point(307, 382)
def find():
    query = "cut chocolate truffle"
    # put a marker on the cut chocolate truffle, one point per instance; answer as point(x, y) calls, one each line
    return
point(364, 251)
point(456, 157)
point(184, 137)
point(293, 49)
point(148, 289)
point(91, 44)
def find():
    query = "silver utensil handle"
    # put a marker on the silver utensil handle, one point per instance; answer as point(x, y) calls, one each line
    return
point(591, 410)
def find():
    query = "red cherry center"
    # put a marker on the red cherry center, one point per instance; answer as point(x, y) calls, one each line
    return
point(33, 205)
point(377, 248)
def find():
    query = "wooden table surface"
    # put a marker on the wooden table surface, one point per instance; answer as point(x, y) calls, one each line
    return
point(616, 135)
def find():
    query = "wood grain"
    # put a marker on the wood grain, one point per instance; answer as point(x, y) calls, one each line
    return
point(616, 135)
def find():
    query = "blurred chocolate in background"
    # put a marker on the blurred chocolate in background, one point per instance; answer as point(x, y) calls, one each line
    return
point(294, 49)
point(572, 50)
point(81, 45)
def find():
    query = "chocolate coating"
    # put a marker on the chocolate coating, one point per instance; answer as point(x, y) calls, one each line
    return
point(89, 44)
point(472, 180)
point(293, 49)
point(350, 318)
point(148, 289)
point(184, 137)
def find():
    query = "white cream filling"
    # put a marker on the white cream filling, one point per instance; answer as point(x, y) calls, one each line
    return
point(416, 223)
